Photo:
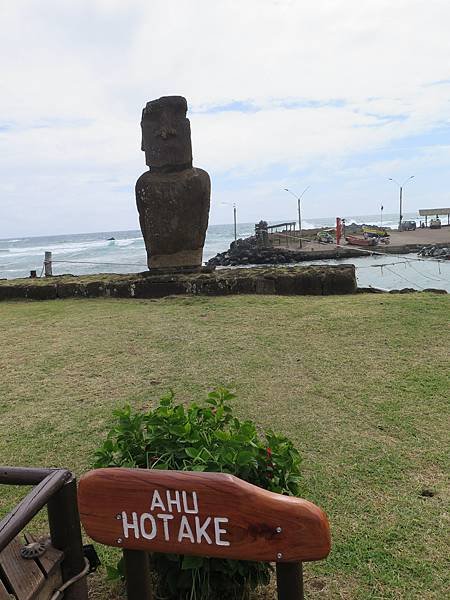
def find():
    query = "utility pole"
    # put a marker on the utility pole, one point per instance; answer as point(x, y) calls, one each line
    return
point(401, 186)
point(234, 216)
point(299, 208)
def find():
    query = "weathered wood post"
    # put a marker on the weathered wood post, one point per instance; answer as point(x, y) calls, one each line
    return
point(137, 573)
point(55, 488)
point(290, 581)
point(48, 264)
point(65, 533)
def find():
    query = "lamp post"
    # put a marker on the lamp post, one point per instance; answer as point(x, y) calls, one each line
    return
point(299, 207)
point(401, 198)
point(234, 216)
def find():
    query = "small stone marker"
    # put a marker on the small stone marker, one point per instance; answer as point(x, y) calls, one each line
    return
point(204, 514)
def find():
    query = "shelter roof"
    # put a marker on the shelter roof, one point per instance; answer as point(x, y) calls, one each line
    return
point(431, 212)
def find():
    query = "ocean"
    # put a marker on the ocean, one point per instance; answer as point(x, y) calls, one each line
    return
point(85, 253)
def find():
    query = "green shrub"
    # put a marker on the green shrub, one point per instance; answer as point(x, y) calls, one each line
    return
point(203, 437)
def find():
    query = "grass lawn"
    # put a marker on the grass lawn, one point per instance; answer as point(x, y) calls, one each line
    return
point(360, 383)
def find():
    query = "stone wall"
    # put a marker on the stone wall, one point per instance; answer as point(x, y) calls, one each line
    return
point(315, 280)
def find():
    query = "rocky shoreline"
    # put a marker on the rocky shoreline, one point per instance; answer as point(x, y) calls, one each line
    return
point(257, 250)
point(240, 254)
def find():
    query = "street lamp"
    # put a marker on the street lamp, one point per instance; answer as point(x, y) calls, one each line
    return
point(401, 198)
point(234, 216)
point(299, 207)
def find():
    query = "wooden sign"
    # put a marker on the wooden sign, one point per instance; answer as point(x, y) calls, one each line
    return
point(205, 514)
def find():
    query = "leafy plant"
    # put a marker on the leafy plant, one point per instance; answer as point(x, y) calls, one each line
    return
point(206, 437)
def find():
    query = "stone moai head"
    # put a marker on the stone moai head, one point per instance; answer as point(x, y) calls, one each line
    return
point(166, 134)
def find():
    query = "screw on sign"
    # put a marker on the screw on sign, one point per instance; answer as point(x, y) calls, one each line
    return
point(203, 514)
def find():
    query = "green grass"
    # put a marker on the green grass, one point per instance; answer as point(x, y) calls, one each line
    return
point(360, 383)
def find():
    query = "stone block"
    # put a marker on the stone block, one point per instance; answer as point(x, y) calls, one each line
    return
point(11, 292)
point(146, 288)
point(42, 292)
point(71, 290)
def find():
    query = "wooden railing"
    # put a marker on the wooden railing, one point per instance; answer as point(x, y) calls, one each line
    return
point(57, 489)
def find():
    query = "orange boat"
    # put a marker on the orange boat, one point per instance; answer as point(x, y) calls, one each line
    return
point(355, 240)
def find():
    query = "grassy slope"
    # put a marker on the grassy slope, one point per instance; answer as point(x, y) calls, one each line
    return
point(360, 383)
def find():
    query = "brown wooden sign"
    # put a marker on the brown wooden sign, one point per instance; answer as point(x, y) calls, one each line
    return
point(206, 514)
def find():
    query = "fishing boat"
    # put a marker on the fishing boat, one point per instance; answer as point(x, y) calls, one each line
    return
point(373, 230)
point(355, 240)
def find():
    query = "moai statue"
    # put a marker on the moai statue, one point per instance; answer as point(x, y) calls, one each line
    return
point(172, 196)
point(262, 234)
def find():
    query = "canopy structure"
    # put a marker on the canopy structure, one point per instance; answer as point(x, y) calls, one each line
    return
point(434, 212)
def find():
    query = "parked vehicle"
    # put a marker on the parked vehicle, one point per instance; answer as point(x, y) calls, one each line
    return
point(435, 223)
point(408, 226)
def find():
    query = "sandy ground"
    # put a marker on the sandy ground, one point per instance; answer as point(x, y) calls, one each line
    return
point(421, 237)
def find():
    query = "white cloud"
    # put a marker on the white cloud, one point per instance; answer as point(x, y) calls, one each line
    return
point(357, 76)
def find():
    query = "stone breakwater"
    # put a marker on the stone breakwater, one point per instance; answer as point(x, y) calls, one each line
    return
point(435, 252)
point(311, 280)
point(276, 256)
point(247, 252)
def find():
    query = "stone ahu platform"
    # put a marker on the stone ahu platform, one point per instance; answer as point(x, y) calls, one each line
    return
point(312, 280)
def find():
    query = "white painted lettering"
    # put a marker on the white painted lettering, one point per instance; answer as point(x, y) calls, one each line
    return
point(144, 533)
point(157, 501)
point(185, 530)
point(194, 509)
point(127, 526)
point(200, 530)
point(175, 502)
point(165, 518)
point(218, 531)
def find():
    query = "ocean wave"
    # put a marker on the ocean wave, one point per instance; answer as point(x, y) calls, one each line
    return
point(309, 225)
point(63, 248)
point(139, 241)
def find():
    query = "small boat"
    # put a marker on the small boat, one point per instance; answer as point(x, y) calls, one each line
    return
point(355, 240)
point(373, 230)
point(325, 236)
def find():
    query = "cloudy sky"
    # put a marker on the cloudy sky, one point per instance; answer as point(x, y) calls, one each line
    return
point(338, 95)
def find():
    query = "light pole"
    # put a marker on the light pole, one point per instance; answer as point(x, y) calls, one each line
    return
point(234, 216)
point(299, 207)
point(401, 197)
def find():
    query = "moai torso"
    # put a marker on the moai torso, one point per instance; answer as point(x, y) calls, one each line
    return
point(172, 197)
